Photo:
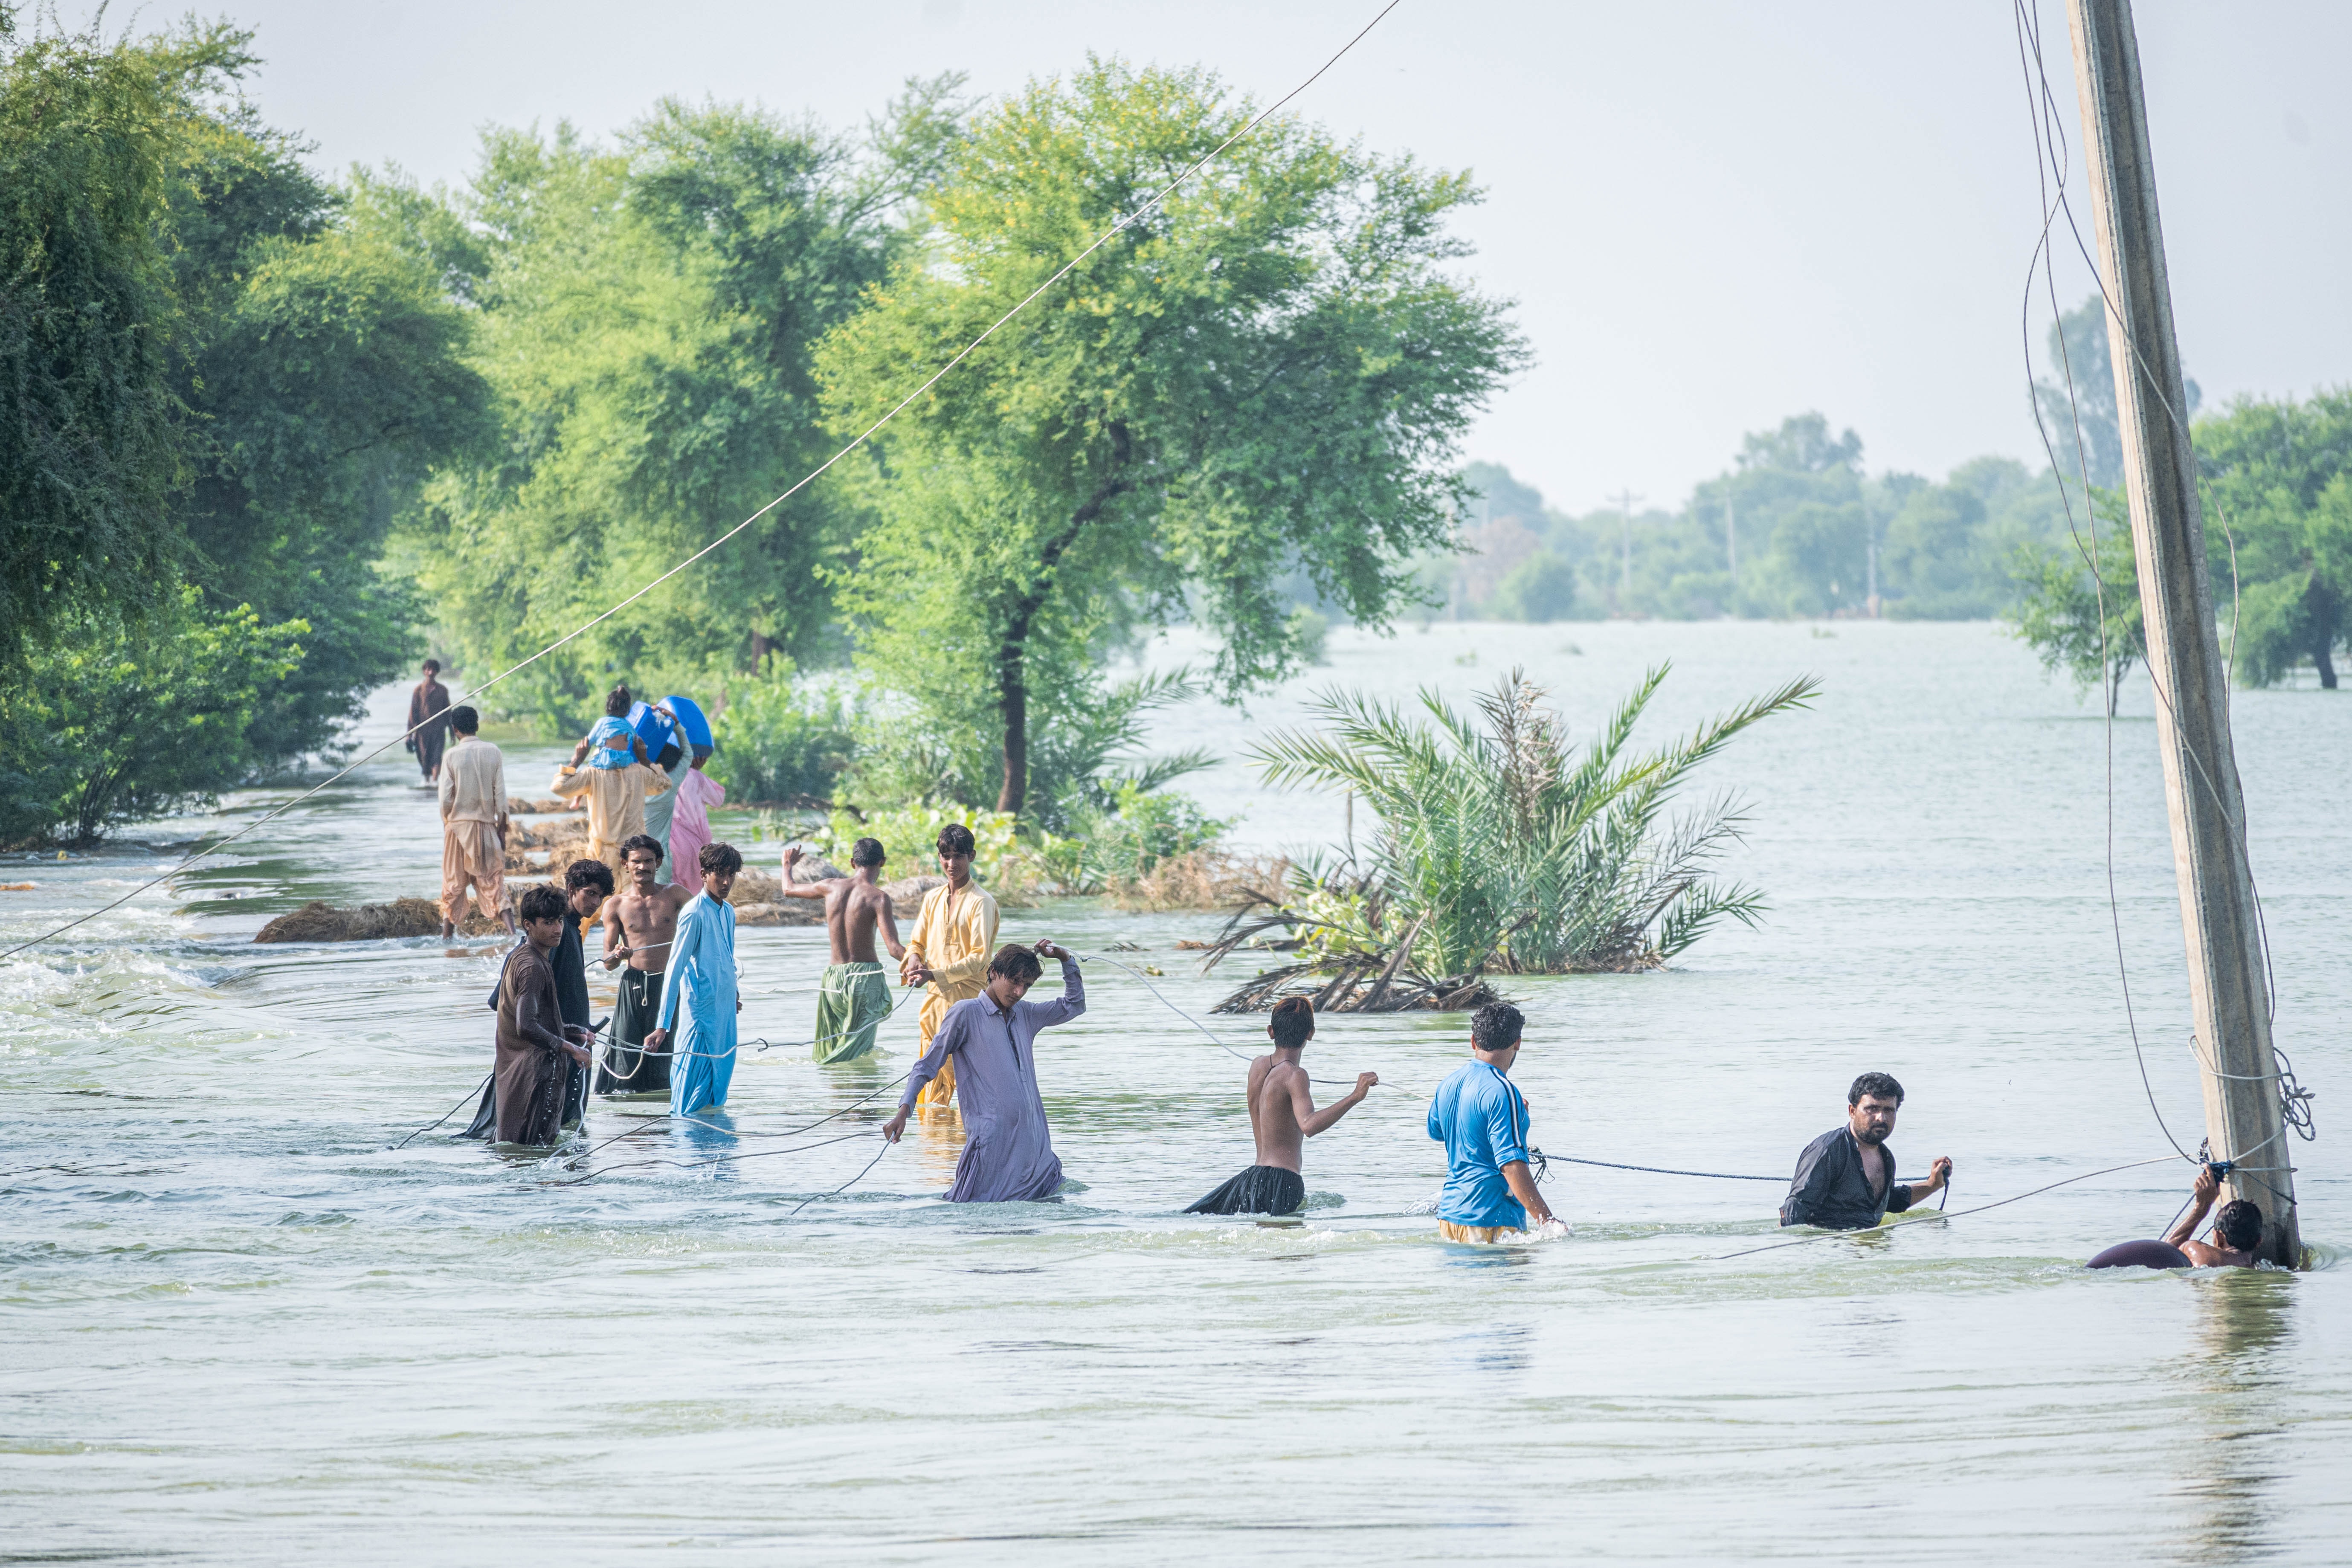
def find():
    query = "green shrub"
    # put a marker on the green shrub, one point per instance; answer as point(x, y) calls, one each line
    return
point(778, 739)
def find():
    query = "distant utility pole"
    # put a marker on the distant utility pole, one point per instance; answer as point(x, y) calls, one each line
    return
point(1870, 580)
point(2243, 1123)
point(1625, 500)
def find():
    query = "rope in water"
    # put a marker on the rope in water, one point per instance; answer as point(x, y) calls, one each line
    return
point(1955, 1214)
point(1142, 209)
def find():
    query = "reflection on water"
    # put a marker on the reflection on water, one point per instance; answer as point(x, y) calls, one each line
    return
point(243, 1326)
point(2233, 1473)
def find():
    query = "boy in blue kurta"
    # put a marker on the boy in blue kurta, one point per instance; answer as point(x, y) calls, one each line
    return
point(701, 984)
point(1482, 1119)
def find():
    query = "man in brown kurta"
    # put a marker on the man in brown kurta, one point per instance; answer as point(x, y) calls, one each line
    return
point(428, 722)
point(533, 1041)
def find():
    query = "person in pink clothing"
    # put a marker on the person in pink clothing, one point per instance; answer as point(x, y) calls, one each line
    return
point(689, 823)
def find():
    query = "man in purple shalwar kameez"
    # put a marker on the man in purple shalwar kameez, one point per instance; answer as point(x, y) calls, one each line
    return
point(1008, 1152)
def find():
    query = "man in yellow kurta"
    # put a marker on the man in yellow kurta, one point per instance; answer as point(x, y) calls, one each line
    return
point(954, 937)
point(616, 804)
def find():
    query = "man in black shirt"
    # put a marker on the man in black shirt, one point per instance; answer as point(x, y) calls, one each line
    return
point(586, 885)
point(1845, 1178)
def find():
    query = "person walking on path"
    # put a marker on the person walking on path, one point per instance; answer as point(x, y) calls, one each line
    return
point(473, 825)
point(700, 985)
point(428, 722)
point(1282, 1117)
point(852, 999)
point(954, 933)
point(1482, 1119)
point(640, 925)
point(1008, 1152)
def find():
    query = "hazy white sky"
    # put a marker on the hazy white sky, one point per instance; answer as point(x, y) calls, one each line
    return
point(1712, 215)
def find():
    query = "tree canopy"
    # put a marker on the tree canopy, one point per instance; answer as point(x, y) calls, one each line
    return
point(1265, 372)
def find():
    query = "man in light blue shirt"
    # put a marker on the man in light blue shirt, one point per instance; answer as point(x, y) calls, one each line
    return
point(1482, 1119)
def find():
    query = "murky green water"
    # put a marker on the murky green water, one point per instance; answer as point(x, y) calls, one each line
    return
point(239, 1327)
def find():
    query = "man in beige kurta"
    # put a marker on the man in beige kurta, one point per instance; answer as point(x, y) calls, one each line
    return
point(954, 936)
point(473, 824)
point(617, 806)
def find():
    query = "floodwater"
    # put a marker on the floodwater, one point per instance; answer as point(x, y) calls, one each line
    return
point(242, 1327)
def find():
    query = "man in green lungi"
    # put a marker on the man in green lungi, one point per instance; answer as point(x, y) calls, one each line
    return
point(852, 999)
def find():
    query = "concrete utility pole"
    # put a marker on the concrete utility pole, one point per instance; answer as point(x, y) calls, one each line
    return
point(1731, 539)
point(2242, 1119)
point(1625, 500)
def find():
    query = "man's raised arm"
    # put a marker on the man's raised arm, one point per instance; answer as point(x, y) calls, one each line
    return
point(802, 890)
point(1311, 1120)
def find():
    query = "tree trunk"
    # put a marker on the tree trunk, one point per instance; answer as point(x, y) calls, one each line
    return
point(2320, 604)
point(2324, 657)
point(1012, 705)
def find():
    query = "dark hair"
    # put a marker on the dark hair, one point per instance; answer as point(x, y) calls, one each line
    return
point(2239, 1222)
point(955, 838)
point(1881, 1084)
point(867, 852)
point(721, 858)
point(1016, 962)
point(464, 719)
point(636, 841)
point(616, 702)
point(670, 755)
point(588, 872)
point(434, 665)
point(541, 903)
point(1293, 1021)
point(1497, 1026)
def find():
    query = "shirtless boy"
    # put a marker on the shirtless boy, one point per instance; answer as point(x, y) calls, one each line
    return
point(640, 923)
point(2237, 1230)
point(852, 999)
point(1282, 1117)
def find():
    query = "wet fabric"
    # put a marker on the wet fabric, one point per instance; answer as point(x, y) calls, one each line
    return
point(1832, 1190)
point(616, 807)
point(689, 823)
point(1008, 1151)
point(1479, 1234)
point(852, 1000)
point(471, 857)
point(612, 744)
point(1261, 1189)
point(627, 1068)
point(1482, 1119)
point(698, 1005)
point(660, 807)
point(955, 934)
point(570, 966)
point(428, 728)
point(530, 1076)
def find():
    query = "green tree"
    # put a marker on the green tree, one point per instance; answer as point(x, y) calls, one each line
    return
point(2277, 480)
point(647, 315)
point(89, 319)
point(137, 714)
point(2084, 622)
point(1263, 371)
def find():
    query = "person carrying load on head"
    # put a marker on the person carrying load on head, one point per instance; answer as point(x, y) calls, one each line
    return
point(852, 999)
point(1845, 1178)
point(640, 926)
point(615, 783)
point(674, 762)
point(1482, 1119)
point(473, 796)
point(949, 951)
point(1282, 1117)
point(1008, 1151)
point(700, 986)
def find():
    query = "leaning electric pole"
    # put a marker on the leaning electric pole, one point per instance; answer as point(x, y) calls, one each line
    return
point(2227, 1000)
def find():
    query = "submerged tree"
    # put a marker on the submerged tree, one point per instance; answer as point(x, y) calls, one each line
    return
point(1265, 372)
point(1501, 849)
point(2079, 604)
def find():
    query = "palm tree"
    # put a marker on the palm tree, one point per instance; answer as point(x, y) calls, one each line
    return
point(1498, 848)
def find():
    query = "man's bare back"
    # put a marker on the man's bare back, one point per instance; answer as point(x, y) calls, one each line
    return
point(641, 920)
point(1282, 1108)
point(853, 906)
